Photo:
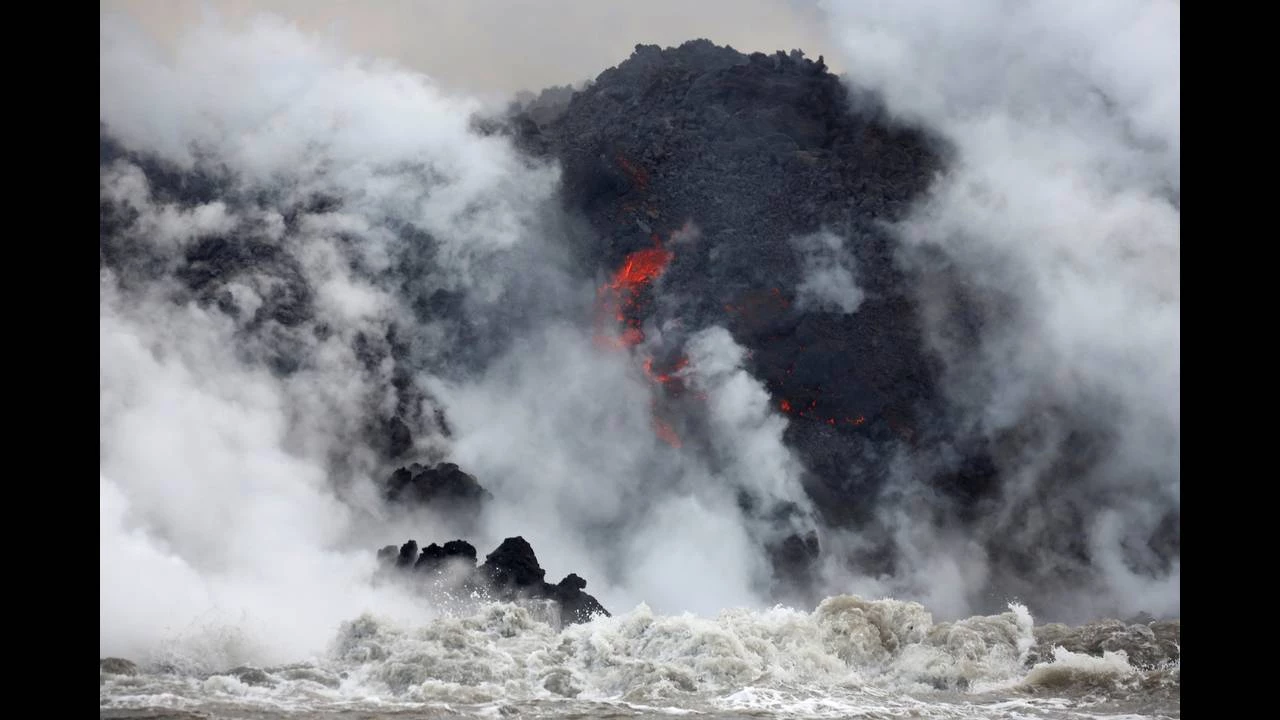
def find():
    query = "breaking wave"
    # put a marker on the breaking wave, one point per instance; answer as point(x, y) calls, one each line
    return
point(849, 657)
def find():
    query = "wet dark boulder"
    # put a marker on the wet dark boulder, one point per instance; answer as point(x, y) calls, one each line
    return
point(445, 488)
point(513, 568)
point(408, 555)
point(435, 557)
point(510, 573)
point(576, 606)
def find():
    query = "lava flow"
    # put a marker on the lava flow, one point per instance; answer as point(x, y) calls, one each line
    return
point(623, 298)
point(673, 386)
point(667, 378)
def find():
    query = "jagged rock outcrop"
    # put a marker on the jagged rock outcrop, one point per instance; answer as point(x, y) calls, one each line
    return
point(758, 151)
point(511, 572)
point(434, 556)
point(445, 488)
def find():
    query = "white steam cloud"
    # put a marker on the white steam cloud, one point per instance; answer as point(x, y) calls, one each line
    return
point(239, 512)
point(220, 501)
point(1060, 213)
point(207, 518)
point(563, 434)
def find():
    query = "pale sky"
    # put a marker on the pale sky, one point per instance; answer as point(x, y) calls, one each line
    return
point(499, 46)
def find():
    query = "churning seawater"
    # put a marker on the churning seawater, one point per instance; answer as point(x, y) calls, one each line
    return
point(850, 658)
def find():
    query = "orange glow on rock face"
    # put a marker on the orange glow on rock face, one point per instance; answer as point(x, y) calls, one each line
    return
point(622, 297)
point(620, 317)
point(664, 378)
point(641, 268)
point(672, 385)
point(810, 413)
point(621, 300)
point(666, 433)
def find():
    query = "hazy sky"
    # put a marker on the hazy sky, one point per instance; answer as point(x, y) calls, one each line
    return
point(490, 46)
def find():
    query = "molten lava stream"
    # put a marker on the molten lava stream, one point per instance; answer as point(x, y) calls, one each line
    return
point(622, 297)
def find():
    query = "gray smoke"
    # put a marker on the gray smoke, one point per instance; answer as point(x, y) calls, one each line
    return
point(1057, 226)
point(240, 508)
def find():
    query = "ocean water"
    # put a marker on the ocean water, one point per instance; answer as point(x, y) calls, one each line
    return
point(849, 658)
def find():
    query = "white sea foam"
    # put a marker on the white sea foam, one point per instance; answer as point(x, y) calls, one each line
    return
point(851, 657)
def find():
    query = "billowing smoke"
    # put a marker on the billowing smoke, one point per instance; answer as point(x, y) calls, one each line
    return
point(1051, 251)
point(303, 253)
point(217, 535)
point(236, 472)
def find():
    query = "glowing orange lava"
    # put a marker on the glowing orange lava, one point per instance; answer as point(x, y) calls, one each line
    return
point(668, 377)
point(622, 296)
point(808, 413)
point(666, 433)
point(622, 299)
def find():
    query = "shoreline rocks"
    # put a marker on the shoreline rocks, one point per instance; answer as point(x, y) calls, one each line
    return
point(511, 572)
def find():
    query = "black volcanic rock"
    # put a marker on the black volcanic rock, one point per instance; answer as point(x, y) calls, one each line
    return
point(511, 572)
point(758, 150)
point(434, 556)
point(460, 549)
point(576, 606)
point(408, 555)
point(444, 487)
point(794, 557)
point(513, 568)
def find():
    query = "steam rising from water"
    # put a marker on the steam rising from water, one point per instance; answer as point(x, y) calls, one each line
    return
point(234, 497)
point(1059, 216)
